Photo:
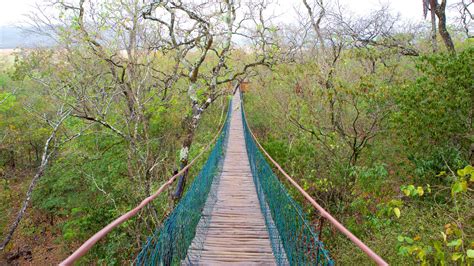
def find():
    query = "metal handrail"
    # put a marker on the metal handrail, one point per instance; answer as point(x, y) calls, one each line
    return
point(86, 246)
point(372, 255)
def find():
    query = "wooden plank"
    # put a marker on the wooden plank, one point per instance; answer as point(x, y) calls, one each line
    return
point(237, 232)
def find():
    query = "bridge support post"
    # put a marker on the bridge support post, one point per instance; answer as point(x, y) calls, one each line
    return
point(320, 231)
point(320, 227)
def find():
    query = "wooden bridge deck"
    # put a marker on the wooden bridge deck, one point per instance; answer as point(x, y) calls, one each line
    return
point(235, 231)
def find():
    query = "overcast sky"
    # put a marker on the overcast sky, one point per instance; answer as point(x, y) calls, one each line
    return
point(12, 11)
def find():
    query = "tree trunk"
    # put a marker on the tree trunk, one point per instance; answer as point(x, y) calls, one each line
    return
point(188, 141)
point(441, 13)
point(434, 43)
point(315, 22)
point(190, 129)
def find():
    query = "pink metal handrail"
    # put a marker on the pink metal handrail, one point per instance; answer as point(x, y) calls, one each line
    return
point(376, 258)
point(86, 246)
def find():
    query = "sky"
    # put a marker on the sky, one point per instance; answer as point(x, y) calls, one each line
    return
point(411, 10)
point(12, 11)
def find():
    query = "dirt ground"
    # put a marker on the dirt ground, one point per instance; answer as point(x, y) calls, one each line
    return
point(34, 248)
point(34, 242)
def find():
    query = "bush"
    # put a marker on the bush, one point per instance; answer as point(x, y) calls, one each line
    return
point(435, 111)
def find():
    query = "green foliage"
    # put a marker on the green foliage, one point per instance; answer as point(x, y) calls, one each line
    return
point(85, 190)
point(451, 246)
point(443, 251)
point(85, 175)
point(412, 191)
point(370, 179)
point(4, 80)
point(434, 111)
point(439, 160)
point(7, 101)
point(402, 184)
point(460, 181)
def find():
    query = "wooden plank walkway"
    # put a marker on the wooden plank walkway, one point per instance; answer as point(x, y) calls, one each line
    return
point(232, 230)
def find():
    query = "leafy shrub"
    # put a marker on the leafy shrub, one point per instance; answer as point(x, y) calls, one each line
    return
point(434, 111)
point(370, 179)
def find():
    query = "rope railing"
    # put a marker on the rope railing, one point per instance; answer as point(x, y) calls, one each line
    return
point(301, 244)
point(169, 244)
point(293, 239)
point(86, 246)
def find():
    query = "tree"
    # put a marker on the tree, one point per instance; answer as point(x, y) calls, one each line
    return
point(427, 6)
point(51, 145)
point(121, 63)
point(115, 84)
point(336, 100)
point(354, 125)
point(440, 10)
point(206, 48)
point(466, 16)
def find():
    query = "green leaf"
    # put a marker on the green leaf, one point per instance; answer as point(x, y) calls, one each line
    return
point(470, 253)
point(421, 254)
point(468, 170)
point(455, 243)
point(406, 192)
point(400, 238)
point(409, 240)
point(403, 250)
point(75, 211)
point(456, 256)
point(397, 212)
point(420, 191)
point(442, 173)
point(460, 186)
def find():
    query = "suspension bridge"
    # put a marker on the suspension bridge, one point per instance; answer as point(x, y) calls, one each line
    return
point(236, 211)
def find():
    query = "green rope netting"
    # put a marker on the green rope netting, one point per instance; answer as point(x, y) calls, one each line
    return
point(169, 244)
point(293, 240)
